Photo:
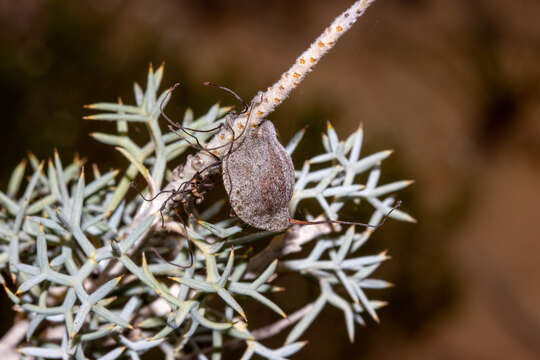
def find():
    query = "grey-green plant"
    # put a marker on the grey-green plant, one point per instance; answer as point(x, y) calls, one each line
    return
point(78, 251)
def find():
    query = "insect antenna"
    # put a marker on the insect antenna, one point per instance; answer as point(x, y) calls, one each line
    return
point(227, 124)
point(383, 220)
point(236, 96)
point(190, 252)
point(175, 126)
point(140, 193)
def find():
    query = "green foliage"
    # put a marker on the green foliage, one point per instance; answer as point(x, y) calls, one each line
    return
point(76, 249)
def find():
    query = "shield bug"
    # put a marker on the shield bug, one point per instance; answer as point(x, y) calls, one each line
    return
point(259, 179)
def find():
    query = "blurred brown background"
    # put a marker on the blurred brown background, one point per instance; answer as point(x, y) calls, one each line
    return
point(452, 86)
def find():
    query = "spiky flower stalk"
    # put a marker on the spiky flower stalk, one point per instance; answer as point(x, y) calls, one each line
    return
point(275, 94)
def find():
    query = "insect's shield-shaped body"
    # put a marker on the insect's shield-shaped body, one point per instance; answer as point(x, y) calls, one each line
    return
point(259, 179)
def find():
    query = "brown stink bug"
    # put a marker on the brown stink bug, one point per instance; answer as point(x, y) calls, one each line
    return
point(259, 178)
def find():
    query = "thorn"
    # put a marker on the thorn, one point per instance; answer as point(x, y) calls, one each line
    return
point(243, 315)
point(385, 255)
point(144, 259)
point(412, 220)
point(7, 289)
point(329, 126)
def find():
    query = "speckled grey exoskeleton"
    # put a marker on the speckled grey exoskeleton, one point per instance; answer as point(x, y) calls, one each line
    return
point(259, 178)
